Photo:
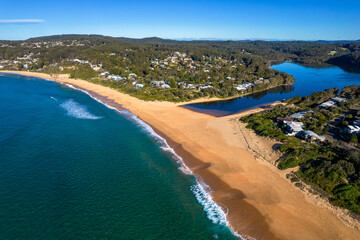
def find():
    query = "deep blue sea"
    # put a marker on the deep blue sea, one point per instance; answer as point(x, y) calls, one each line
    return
point(308, 80)
point(71, 168)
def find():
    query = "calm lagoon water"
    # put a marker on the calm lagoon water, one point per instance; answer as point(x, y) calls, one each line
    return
point(308, 80)
point(71, 168)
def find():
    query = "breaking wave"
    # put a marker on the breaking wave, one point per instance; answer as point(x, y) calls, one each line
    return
point(201, 191)
point(76, 110)
point(213, 211)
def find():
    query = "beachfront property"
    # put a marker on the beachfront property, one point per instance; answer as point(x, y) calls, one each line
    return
point(157, 83)
point(115, 77)
point(310, 136)
point(104, 74)
point(300, 114)
point(293, 127)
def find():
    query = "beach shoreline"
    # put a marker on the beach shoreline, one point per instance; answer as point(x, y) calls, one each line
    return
point(261, 203)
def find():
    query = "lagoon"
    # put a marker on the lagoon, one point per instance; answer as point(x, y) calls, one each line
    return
point(308, 80)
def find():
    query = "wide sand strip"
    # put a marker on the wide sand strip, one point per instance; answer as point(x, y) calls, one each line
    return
point(260, 201)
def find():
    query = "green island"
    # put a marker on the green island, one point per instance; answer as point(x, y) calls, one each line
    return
point(169, 70)
point(319, 137)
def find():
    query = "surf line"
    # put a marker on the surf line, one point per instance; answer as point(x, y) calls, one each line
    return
point(200, 189)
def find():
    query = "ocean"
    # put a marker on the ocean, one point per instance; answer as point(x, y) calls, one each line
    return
point(72, 168)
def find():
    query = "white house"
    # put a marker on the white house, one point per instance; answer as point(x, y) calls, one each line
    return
point(138, 85)
point(157, 83)
point(352, 129)
point(241, 88)
point(301, 114)
point(337, 99)
point(328, 104)
point(165, 86)
point(293, 127)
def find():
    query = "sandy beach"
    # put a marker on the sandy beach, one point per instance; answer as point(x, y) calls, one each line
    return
point(237, 165)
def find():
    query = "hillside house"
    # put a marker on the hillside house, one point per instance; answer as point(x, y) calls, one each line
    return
point(310, 136)
point(352, 129)
point(300, 114)
point(293, 127)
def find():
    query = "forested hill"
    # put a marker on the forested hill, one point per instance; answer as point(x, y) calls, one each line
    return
point(344, 54)
point(162, 69)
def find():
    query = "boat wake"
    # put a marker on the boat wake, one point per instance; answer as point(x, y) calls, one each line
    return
point(76, 110)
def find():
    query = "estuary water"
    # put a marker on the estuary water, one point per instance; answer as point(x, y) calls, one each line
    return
point(71, 168)
point(308, 80)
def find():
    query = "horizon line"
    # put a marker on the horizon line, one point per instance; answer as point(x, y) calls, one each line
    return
point(165, 38)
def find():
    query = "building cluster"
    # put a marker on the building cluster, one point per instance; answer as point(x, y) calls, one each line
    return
point(25, 61)
point(296, 128)
point(176, 61)
point(332, 102)
point(160, 84)
point(95, 67)
point(51, 44)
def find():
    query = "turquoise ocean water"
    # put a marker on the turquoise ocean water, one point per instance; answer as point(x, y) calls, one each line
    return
point(71, 168)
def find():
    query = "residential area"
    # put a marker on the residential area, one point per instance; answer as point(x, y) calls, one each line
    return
point(170, 74)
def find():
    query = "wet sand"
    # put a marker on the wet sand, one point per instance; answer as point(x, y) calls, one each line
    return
point(260, 201)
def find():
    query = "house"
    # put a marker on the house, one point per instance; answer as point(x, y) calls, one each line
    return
point(138, 85)
point(328, 104)
point(293, 127)
point(282, 119)
point(191, 86)
point(205, 87)
point(332, 102)
point(115, 77)
point(165, 86)
point(337, 99)
point(104, 74)
point(157, 83)
point(240, 88)
point(301, 114)
point(310, 136)
point(352, 129)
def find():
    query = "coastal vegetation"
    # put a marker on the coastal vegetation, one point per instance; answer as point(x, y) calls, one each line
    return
point(332, 165)
point(160, 69)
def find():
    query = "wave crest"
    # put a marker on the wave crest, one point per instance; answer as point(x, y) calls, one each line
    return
point(213, 211)
point(76, 110)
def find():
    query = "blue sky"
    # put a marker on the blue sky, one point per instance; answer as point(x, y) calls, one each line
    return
point(225, 19)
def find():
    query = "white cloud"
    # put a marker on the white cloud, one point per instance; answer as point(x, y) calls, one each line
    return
point(20, 21)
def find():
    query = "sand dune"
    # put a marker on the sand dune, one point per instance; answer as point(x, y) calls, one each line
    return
point(238, 166)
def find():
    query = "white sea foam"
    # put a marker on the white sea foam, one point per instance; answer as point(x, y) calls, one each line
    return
point(201, 191)
point(214, 212)
point(76, 110)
